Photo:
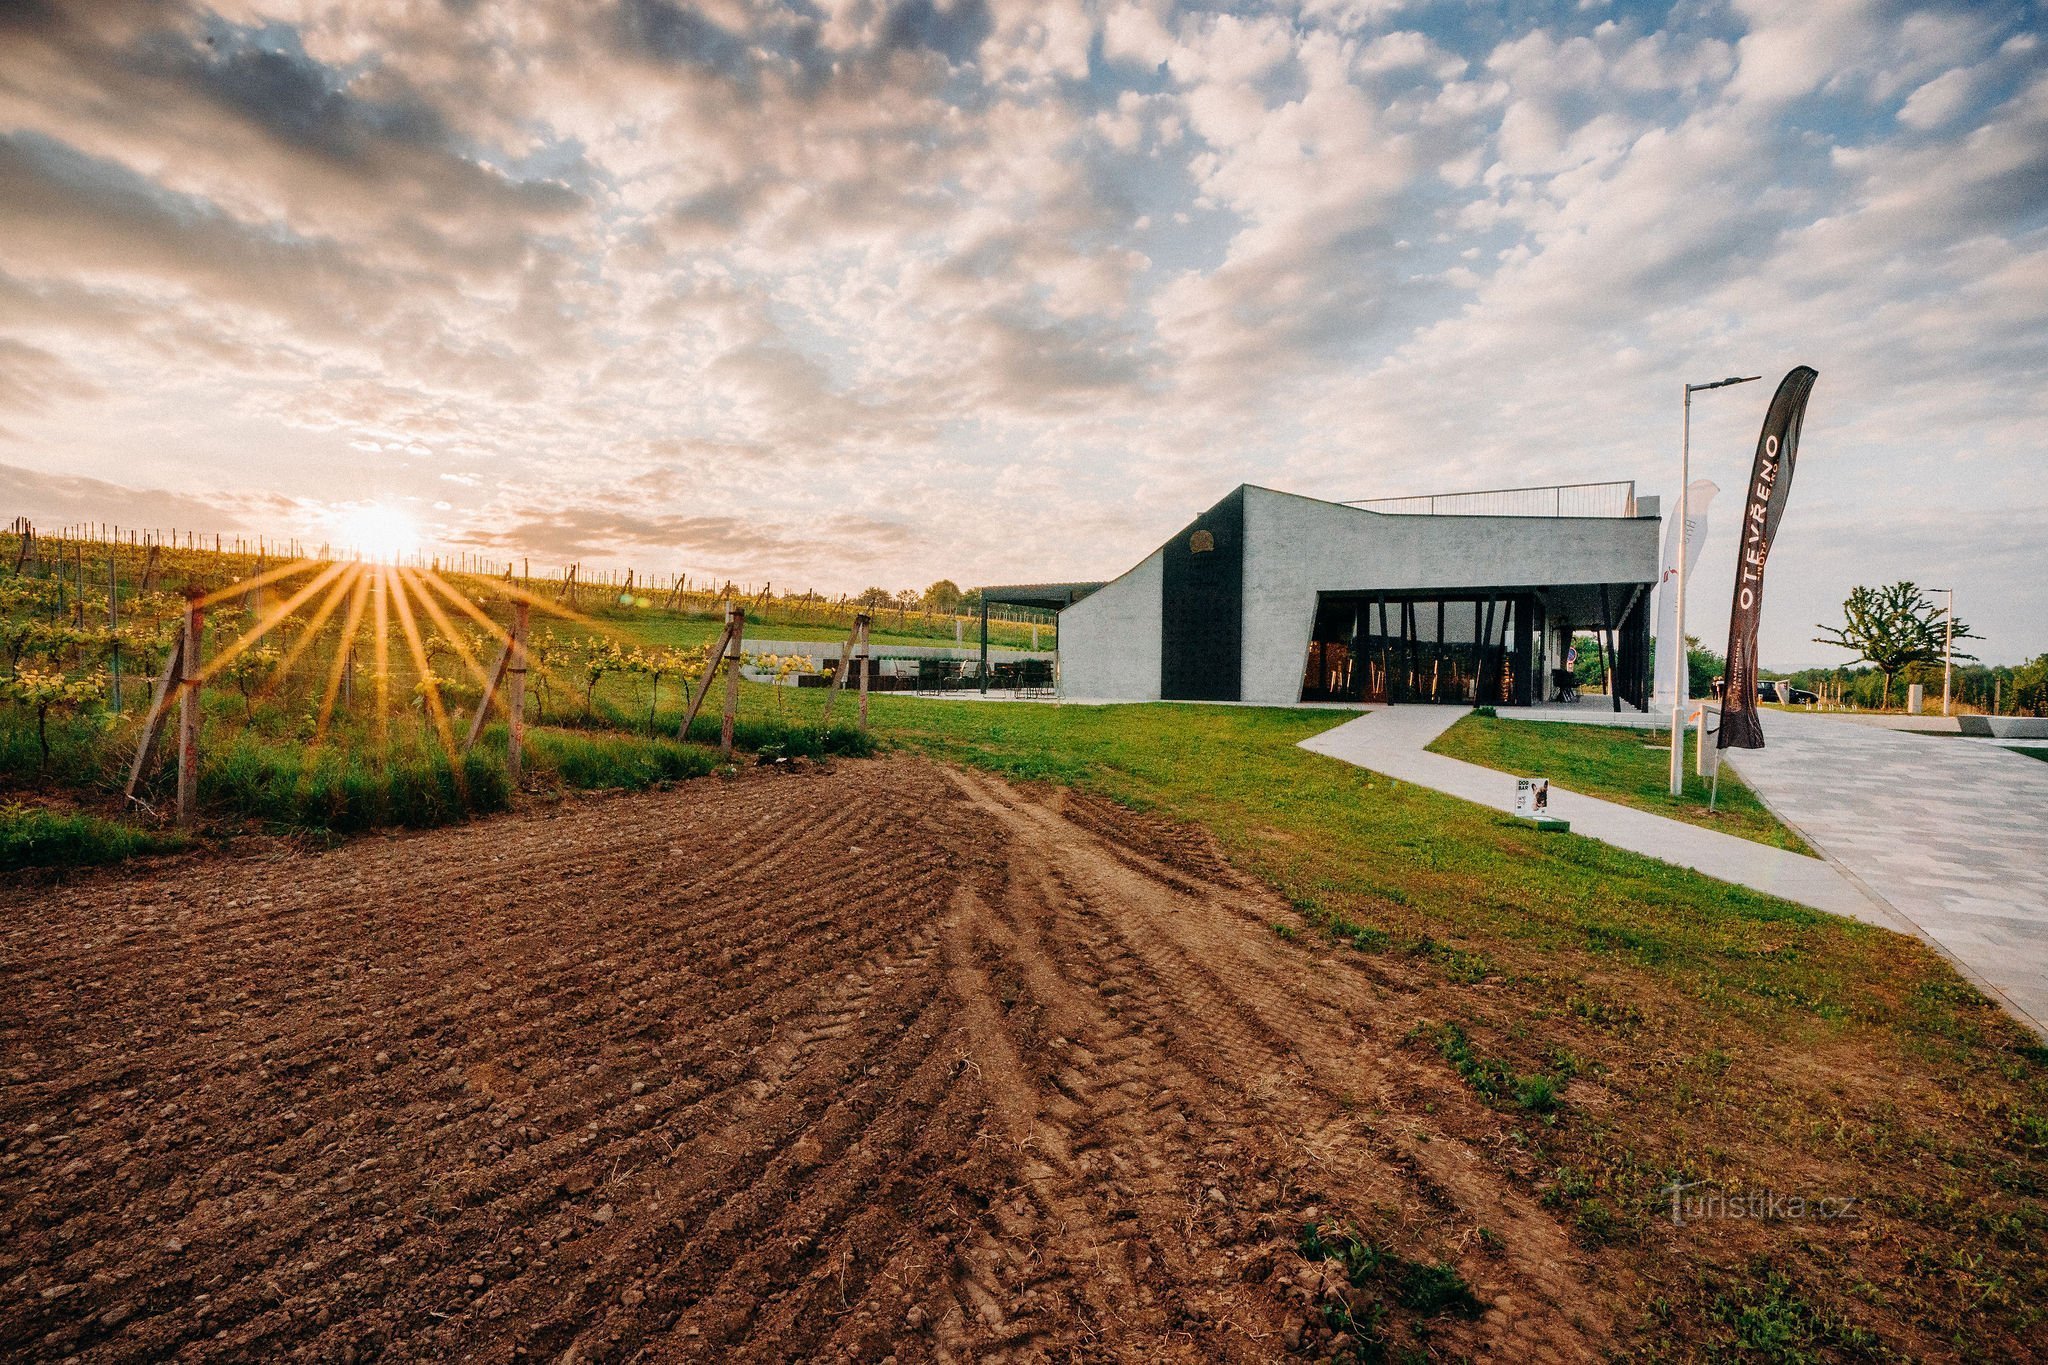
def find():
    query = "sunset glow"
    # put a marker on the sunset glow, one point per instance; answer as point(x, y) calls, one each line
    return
point(376, 531)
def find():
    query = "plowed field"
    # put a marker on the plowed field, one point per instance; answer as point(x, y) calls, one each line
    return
point(881, 1059)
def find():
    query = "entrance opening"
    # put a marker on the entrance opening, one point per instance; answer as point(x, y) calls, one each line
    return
point(1468, 648)
point(1474, 647)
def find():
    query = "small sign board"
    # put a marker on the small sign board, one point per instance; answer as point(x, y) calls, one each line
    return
point(1532, 802)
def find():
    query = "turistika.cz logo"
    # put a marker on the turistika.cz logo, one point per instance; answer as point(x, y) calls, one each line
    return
point(1767, 1205)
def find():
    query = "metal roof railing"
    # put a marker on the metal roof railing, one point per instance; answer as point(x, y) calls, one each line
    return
point(1612, 499)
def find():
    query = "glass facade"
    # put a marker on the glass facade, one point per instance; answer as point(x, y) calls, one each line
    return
point(1468, 648)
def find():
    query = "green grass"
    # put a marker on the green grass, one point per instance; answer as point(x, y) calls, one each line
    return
point(286, 783)
point(31, 836)
point(1627, 766)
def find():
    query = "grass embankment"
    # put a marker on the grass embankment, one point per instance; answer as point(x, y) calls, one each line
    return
point(269, 773)
point(1615, 763)
point(32, 836)
point(1631, 1025)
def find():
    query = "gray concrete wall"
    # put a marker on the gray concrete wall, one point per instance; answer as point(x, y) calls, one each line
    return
point(1109, 640)
point(1297, 547)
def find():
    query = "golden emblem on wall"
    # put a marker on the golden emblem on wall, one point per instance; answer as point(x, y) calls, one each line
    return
point(1201, 542)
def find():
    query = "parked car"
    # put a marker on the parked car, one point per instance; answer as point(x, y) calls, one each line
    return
point(1784, 693)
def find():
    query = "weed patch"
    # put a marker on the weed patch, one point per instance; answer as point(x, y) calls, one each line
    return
point(1494, 1080)
point(1377, 1276)
point(1767, 1318)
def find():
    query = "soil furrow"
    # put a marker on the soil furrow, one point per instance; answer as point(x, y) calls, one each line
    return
point(857, 1060)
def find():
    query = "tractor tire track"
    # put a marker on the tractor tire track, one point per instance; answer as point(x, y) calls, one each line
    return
point(863, 1060)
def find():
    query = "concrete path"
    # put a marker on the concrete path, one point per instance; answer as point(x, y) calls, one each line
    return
point(1391, 740)
point(1953, 836)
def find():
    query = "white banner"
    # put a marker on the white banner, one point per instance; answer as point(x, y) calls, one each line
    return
point(1697, 497)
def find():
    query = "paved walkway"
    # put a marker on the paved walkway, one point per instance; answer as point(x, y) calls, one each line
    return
point(1953, 836)
point(1391, 740)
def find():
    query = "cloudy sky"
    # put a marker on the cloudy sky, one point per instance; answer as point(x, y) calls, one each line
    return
point(848, 291)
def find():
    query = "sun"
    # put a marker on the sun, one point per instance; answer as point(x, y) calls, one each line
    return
point(376, 531)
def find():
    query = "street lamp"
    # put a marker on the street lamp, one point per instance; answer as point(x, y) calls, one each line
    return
point(1948, 645)
point(1678, 660)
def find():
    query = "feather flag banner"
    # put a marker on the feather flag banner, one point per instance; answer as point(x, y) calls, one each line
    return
point(1770, 484)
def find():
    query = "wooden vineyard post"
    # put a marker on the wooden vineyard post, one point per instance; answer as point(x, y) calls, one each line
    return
point(735, 629)
point(839, 678)
point(703, 688)
point(515, 698)
point(860, 626)
point(483, 703)
point(188, 713)
point(510, 671)
point(153, 720)
point(114, 630)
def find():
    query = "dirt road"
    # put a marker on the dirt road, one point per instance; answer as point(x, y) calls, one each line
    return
point(878, 1060)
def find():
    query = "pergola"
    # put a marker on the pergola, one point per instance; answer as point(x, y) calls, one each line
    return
point(1050, 596)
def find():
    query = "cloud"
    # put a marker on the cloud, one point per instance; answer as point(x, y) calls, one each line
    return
point(54, 500)
point(999, 290)
point(722, 544)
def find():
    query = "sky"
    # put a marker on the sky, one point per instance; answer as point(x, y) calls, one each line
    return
point(842, 292)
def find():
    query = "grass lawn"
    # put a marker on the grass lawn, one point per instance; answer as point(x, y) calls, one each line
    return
point(1614, 763)
point(1632, 1024)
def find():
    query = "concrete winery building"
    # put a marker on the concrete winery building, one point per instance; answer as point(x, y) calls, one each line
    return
point(1470, 598)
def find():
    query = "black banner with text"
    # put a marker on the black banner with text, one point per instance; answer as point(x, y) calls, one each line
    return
point(1770, 483)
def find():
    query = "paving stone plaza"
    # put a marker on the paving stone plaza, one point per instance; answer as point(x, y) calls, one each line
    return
point(1930, 834)
point(1950, 833)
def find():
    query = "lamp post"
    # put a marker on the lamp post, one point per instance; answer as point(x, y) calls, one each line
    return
point(1948, 645)
point(1678, 659)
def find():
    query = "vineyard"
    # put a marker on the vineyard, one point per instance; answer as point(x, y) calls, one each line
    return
point(339, 695)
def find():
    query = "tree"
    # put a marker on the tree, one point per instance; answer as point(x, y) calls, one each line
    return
point(1894, 627)
point(1702, 666)
point(875, 597)
point(1590, 671)
point(943, 597)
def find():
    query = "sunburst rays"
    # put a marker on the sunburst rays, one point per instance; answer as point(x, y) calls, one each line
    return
point(426, 609)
